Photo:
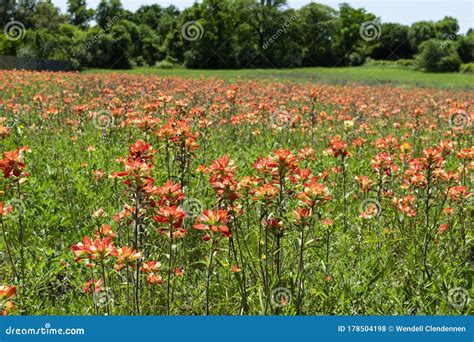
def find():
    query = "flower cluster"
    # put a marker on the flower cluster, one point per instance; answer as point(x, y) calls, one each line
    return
point(6, 294)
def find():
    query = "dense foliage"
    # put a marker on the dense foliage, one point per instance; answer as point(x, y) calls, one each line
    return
point(133, 194)
point(227, 34)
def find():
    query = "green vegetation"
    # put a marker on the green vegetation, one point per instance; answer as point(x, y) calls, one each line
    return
point(366, 75)
point(128, 194)
point(227, 34)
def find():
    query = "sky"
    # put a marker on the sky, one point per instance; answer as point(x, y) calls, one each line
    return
point(396, 11)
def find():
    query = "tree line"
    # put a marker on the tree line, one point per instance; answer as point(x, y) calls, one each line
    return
point(217, 34)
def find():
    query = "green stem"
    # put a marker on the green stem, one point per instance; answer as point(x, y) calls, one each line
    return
point(299, 276)
point(10, 256)
point(170, 264)
point(208, 276)
point(105, 288)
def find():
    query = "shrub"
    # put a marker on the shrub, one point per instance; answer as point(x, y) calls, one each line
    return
point(467, 68)
point(404, 63)
point(355, 59)
point(438, 56)
point(165, 64)
point(409, 63)
point(465, 48)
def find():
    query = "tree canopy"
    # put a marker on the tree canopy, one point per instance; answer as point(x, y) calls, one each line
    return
point(227, 34)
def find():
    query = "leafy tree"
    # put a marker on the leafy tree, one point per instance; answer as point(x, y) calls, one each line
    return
point(349, 46)
point(46, 16)
point(7, 11)
point(438, 56)
point(168, 21)
point(7, 47)
point(107, 10)
point(260, 16)
point(24, 12)
point(149, 45)
point(465, 47)
point(283, 45)
point(209, 41)
point(71, 46)
point(247, 44)
point(38, 43)
point(148, 15)
point(446, 28)
point(318, 26)
point(393, 43)
point(229, 34)
point(420, 32)
point(79, 14)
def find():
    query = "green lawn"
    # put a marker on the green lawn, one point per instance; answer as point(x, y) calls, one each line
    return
point(366, 75)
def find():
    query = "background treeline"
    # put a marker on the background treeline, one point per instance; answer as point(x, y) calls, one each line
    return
point(231, 34)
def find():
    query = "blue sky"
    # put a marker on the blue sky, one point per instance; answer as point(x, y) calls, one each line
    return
point(399, 11)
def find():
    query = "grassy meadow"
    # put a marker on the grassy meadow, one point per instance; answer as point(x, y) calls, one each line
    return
point(258, 192)
point(369, 75)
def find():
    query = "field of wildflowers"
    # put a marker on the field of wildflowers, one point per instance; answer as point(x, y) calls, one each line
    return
point(138, 195)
